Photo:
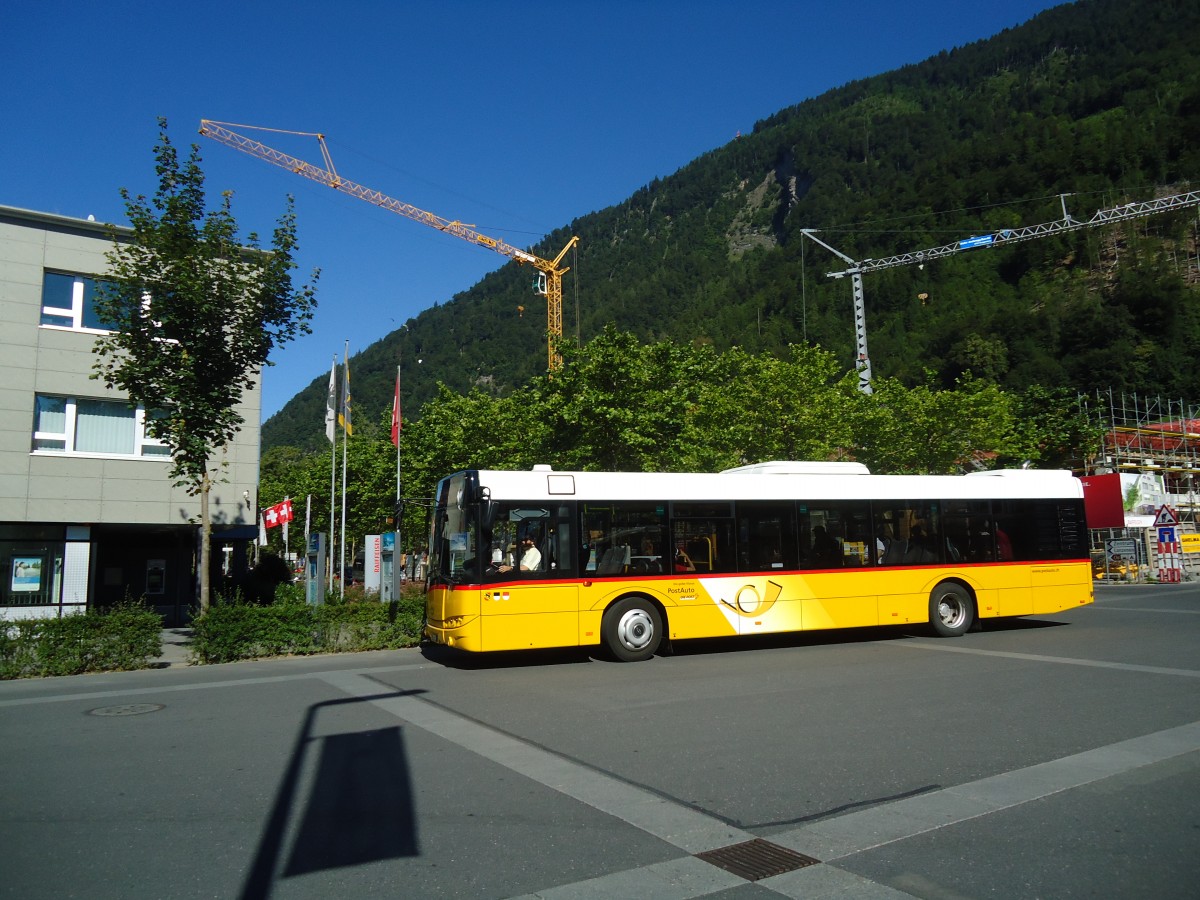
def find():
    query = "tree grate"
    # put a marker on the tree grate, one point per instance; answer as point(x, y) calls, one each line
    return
point(756, 859)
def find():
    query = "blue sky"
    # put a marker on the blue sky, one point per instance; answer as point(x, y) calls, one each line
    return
point(513, 117)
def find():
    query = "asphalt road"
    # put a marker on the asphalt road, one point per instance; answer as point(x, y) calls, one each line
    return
point(1049, 757)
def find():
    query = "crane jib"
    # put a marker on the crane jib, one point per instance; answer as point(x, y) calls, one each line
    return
point(552, 287)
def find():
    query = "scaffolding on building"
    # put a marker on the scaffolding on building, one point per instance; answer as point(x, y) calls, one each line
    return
point(1151, 435)
point(1154, 444)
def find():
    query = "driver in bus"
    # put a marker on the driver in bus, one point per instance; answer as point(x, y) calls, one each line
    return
point(531, 557)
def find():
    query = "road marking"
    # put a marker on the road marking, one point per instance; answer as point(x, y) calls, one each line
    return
point(678, 879)
point(662, 817)
point(199, 686)
point(828, 840)
point(1141, 609)
point(864, 830)
point(1032, 657)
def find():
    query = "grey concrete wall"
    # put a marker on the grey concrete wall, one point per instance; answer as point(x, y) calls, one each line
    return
point(55, 487)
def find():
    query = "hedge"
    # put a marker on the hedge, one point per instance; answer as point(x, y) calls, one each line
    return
point(128, 636)
point(234, 631)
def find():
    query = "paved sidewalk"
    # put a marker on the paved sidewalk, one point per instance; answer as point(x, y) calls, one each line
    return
point(176, 644)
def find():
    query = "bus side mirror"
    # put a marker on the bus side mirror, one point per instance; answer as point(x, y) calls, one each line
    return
point(489, 508)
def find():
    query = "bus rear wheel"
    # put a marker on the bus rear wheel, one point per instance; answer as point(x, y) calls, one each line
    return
point(951, 610)
point(632, 629)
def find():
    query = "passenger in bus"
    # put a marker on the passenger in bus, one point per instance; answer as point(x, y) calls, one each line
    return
point(1003, 545)
point(920, 547)
point(826, 550)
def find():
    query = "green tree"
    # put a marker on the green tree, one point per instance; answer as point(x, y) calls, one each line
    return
point(926, 431)
point(619, 405)
point(1052, 430)
point(758, 408)
point(195, 315)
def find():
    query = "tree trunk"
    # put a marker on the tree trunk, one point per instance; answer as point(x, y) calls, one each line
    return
point(205, 543)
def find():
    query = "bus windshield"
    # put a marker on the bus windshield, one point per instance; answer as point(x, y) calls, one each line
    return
point(455, 531)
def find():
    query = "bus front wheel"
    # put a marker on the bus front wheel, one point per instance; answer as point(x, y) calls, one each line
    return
point(951, 610)
point(632, 629)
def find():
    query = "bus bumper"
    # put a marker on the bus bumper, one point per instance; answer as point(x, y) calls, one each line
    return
point(459, 635)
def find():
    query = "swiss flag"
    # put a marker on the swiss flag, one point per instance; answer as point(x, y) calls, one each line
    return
point(277, 514)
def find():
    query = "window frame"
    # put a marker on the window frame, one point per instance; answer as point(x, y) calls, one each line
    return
point(145, 446)
point(83, 288)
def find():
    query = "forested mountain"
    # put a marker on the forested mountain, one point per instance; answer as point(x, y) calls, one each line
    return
point(1098, 99)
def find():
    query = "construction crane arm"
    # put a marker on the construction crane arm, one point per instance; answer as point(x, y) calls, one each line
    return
point(219, 131)
point(551, 287)
point(1015, 235)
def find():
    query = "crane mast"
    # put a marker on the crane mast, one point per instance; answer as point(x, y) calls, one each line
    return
point(549, 284)
point(858, 268)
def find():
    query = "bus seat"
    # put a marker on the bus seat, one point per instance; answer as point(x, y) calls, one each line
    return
point(610, 563)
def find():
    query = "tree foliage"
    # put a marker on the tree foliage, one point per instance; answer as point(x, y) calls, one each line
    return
point(621, 405)
point(195, 314)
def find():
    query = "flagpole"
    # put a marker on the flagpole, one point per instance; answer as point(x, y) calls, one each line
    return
point(397, 427)
point(331, 405)
point(348, 429)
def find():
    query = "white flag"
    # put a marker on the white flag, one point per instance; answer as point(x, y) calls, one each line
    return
point(331, 402)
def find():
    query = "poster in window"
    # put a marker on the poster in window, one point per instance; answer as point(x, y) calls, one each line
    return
point(26, 574)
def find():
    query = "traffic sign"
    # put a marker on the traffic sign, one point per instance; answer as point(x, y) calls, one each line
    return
point(1165, 516)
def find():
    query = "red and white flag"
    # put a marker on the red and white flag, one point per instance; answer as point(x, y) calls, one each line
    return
point(279, 514)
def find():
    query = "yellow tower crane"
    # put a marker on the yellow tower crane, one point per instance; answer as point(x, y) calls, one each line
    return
point(549, 283)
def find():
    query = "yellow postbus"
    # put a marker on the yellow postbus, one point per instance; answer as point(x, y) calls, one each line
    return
point(629, 560)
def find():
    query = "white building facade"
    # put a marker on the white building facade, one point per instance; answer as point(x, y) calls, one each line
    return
point(88, 514)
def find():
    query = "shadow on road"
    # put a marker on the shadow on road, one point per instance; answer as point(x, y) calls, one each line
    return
point(510, 659)
point(505, 659)
point(359, 808)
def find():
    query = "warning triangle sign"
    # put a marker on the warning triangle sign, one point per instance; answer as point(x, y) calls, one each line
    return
point(1166, 516)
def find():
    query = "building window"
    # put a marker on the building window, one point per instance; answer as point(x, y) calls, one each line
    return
point(84, 427)
point(31, 565)
point(69, 301)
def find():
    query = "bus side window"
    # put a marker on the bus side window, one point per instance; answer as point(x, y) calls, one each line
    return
point(968, 531)
point(911, 533)
point(704, 545)
point(835, 534)
point(622, 537)
point(561, 542)
point(1030, 530)
point(766, 536)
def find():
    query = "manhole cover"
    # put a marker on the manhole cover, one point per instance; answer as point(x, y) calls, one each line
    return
point(126, 709)
point(757, 859)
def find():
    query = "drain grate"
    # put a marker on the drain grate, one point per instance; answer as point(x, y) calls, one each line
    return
point(756, 859)
point(126, 709)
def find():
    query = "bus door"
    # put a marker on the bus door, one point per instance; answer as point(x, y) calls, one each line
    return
point(529, 598)
point(763, 598)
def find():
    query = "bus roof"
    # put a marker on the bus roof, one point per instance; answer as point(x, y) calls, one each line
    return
point(778, 481)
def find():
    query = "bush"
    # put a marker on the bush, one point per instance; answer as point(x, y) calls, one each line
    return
point(235, 631)
point(123, 637)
